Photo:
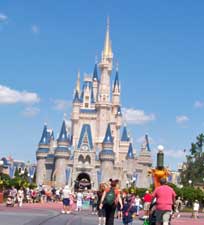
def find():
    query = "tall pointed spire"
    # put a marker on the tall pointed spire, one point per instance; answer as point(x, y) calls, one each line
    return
point(107, 45)
point(95, 73)
point(108, 137)
point(63, 133)
point(125, 134)
point(44, 139)
point(130, 154)
point(116, 85)
point(78, 82)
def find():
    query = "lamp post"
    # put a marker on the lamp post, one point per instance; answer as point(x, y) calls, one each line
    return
point(127, 183)
point(190, 182)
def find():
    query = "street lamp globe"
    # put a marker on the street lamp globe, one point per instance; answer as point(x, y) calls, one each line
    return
point(190, 182)
point(160, 147)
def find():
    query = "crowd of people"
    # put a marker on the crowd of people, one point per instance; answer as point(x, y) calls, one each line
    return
point(108, 202)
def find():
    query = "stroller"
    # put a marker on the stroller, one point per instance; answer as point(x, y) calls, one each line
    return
point(10, 201)
point(152, 216)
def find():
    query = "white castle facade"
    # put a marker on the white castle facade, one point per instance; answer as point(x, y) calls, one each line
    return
point(97, 147)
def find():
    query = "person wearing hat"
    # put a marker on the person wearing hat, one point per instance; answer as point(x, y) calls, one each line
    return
point(165, 199)
point(66, 199)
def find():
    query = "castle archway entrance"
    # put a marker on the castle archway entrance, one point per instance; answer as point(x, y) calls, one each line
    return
point(83, 182)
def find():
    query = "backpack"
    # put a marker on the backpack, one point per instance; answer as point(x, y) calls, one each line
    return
point(110, 197)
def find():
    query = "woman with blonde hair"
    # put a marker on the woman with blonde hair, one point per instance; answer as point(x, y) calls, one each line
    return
point(110, 198)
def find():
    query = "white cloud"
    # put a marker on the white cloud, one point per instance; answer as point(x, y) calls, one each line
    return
point(174, 153)
point(61, 105)
point(11, 96)
point(199, 104)
point(170, 153)
point(35, 29)
point(3, 18)
point(136, 116)
point(30, 111)
point(182, 119)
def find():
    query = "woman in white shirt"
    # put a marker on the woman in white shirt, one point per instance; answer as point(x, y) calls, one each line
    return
point(66, 199)
point(20, 197)
point(137, 204)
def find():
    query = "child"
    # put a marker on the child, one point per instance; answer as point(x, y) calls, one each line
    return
point(128, 210)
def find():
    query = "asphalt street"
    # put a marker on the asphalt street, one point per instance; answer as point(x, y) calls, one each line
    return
point(47, 217)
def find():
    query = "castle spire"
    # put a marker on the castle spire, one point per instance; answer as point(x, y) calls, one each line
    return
point(108, 137)
point(125, 134)
point(78, 82)
point(116, 85)
point(95, 73)
point(63, 137)
point(130, 154)
point(44, 139)
point(107, 51)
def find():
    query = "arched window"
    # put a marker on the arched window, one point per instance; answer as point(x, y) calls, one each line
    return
point(81, 159)
point(88, 160)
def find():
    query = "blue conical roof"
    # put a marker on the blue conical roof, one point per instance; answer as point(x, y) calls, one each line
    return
point(95, 73)
point(44, 139)
point(130, 154)
point(125, 135)
point(50, 135)
point(76, 97)
point(116, 81)
point(108, 137)
point(63, 137)
point(147, 143)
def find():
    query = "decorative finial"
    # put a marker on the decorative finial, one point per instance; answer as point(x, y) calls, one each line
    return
point(108, 22)
point(65, 116)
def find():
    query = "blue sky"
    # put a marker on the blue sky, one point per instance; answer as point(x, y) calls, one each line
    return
point(160, 48)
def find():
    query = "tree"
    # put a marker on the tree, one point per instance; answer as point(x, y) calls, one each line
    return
point(194, 166)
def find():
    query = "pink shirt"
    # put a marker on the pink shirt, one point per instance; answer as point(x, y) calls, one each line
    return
point(165, 196)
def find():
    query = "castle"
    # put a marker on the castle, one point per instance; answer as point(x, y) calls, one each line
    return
point(97, 146)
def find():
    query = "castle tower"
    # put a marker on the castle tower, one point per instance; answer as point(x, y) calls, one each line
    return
point(76, 111)
point(124, 144)
point(62, 154)
point(41, 155)
point(145, 160)
point(116, 93)
point(130, 159)
point(107, 156)
point(117, 112)
point(104, 105)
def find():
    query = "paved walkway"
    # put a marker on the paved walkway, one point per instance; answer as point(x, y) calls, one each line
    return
point(49, 214)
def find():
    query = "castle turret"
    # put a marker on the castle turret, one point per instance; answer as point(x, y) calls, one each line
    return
point(116, 93)
point(107, 156)
point(95, 82)
point(62, 154)
point(76, 109)
point(124, 144)
point(130, 154)
point(41, 155)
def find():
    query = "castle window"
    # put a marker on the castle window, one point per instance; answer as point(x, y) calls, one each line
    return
point(87, 98)
point(86, 105)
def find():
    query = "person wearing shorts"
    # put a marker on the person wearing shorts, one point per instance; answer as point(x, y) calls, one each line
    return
point(66, 199)
point(165, 199)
